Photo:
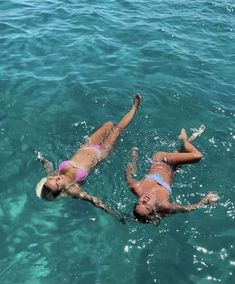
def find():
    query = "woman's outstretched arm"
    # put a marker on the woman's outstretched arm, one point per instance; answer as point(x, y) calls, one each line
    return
point(131, 171)
point(210, 198)
point(75, 192)
point(47, 165)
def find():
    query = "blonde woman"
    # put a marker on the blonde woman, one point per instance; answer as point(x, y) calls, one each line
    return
point(67, 179)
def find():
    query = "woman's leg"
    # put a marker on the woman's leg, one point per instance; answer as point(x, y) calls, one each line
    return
point(127, 118)
point(188, 153)
point(99, 135)
point(110, 140)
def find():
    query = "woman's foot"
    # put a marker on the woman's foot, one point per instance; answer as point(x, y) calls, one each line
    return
point(136, 101)
point(183, 135)
point(197, 132)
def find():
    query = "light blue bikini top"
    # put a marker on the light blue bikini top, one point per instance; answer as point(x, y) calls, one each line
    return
point(160, 180)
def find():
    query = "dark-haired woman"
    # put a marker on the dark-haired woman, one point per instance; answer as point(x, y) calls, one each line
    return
point(154, 190)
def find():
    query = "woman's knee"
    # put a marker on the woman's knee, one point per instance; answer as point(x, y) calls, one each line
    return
point(198, 156)
point(108, 123)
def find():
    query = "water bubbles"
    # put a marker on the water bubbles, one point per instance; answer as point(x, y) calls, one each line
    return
point(132, 241)
point(229, 9)
point(232, 134)
point(204, 264)
point(212, 141)
point(126, 249)
point(230, 208)
point(176, 96)
point(203, 250)
point(199, 262)
point(92, 219)
point(218, 109)
point(213, 278)
point(223, 253)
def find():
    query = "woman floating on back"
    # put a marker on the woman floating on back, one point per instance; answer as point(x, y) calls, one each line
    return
point(154, 190)
point(67, 178)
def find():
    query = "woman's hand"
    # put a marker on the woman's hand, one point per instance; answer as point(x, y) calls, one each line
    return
point(39, 156)
point(134, 153)
point(131, 169)
point(48, 167)
point(210, 198)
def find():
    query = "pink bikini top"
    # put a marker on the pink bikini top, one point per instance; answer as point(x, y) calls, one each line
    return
point(81, 174)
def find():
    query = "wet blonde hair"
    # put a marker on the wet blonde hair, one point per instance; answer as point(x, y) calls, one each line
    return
point(43, 191)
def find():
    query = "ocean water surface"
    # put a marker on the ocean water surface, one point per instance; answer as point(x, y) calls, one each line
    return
point(68, 66)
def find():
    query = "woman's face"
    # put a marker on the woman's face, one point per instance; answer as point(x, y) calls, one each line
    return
point(56, 183)
point(145, 204)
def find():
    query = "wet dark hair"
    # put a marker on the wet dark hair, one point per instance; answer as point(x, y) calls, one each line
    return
point(48, 194)
point(139, 217)
point(153, 218)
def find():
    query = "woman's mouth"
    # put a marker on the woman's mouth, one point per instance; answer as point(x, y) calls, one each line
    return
point(146, 198)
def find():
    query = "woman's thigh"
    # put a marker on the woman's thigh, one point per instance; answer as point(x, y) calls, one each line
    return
point(99, 135)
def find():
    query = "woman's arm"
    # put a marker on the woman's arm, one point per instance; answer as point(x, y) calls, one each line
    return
point(210, 198)
point(75, 192)
point(47, 165)
point(131, 171)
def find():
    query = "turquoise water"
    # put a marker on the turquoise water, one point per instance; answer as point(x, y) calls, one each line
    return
point(68, 66)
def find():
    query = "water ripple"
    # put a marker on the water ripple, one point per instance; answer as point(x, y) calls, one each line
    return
point(68, 66)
